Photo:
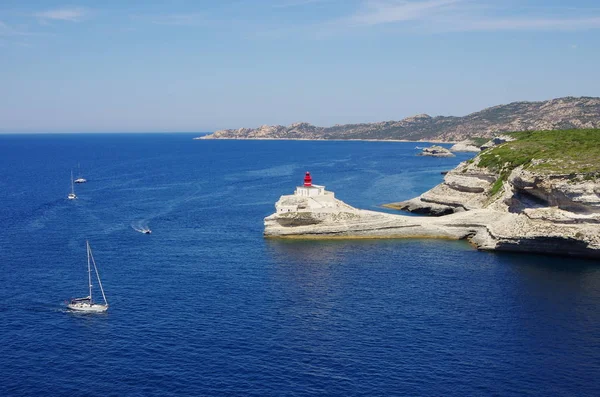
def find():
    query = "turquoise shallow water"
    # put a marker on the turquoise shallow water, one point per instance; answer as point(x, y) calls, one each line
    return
point(206, 306)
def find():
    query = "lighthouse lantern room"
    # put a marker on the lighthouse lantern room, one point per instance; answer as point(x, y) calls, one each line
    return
point(308, 189)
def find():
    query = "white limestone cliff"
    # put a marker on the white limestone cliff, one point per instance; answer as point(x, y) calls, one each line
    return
point(529, 213)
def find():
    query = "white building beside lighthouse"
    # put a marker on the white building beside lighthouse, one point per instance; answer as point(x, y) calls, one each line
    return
point(310, 190)
point(310, 198)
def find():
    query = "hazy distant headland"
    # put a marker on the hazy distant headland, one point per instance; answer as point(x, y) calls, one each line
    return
point(555, 114)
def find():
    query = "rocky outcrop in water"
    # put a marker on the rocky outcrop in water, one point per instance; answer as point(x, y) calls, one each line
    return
point(436, 151)
point(555, 114)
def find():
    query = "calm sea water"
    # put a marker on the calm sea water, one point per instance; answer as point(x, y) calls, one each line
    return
point(206, 306)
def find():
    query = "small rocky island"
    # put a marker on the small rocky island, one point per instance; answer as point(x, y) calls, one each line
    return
point(436, 151)
point(539, 193)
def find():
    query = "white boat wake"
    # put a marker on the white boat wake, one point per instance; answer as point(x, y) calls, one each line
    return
point(141, 227)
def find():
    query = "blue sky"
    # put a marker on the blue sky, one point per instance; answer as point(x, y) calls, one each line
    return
point(180, 65)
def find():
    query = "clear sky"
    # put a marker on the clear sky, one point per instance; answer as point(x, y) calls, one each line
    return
point(183, 65)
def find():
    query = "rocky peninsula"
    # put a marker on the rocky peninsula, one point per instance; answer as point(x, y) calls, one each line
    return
point(556, 114)
point(530, 195)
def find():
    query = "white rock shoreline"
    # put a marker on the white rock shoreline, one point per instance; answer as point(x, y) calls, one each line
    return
point(558, 218)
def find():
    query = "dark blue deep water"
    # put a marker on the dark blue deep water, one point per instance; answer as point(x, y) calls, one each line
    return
point(206, 306)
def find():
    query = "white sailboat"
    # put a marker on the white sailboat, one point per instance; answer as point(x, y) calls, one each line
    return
point(87, 304)
point(79, 179)
point(72, 195)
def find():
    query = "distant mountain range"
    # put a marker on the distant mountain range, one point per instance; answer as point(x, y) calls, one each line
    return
point(556, 114)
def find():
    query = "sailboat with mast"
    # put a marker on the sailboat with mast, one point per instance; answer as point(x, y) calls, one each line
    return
point(87, 304)
point(72, 195)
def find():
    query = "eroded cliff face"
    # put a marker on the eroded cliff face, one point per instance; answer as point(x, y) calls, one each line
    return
point(469, 187)
point(463, 189)
point(573, 193)
point(547, 213)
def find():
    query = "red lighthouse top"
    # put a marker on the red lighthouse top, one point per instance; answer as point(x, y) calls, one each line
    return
point(307, 179)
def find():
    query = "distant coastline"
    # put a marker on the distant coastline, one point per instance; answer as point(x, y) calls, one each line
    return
point(555, 114)
point(322, 139)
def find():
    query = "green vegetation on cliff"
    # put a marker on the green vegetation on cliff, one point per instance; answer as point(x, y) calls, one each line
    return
point(551, 152)
point(567, 152)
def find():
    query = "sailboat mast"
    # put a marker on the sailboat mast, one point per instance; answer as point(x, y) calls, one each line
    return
point(98, 277)
point(87, 243)
point(72, 186)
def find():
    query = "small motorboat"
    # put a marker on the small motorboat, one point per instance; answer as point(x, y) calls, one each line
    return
point(80, 179)
point(146, 231)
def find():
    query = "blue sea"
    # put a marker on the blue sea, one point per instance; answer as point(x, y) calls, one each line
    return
point(205, 306)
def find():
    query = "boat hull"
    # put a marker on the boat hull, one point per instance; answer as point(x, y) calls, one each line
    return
point(88, 308)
